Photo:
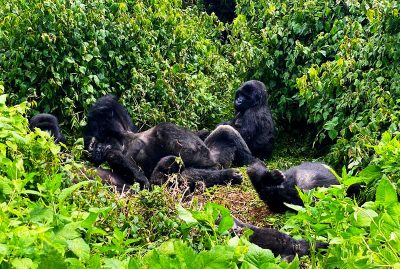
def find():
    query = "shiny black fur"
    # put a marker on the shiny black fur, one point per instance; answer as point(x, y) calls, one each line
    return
point(49, 123)
point(276, 188)
point(279, 243)
point(146, 156)
point(253, 118)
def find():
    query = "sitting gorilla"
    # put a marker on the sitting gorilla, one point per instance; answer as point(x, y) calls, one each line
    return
point(276, 188)
point(279, 243)
point(253, 119)
point(49, 123)
point(152, 153)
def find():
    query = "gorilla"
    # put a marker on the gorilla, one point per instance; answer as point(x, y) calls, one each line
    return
point(49, 123)
point(279, 243)
point(253, 118)
point(146, 156)
point(276, 188)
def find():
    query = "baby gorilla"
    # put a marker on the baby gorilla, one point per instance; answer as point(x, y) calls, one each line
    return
point(147, 156)
point(276, 188)
point(49, 123)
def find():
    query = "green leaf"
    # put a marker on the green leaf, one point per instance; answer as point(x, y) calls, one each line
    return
point(80, 248)
point(386, 192)
point(257, 256)
point(363, 217)
point(22, 263)
point(88, 57)
point(185, 215)
point(68, 191)
point(332, 134)
point(216, 258)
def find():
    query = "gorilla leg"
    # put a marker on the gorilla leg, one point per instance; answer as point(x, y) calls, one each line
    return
point(167, 165)
point(113, 179)
point(211, 177)
point(228, 147)
point(127, 169)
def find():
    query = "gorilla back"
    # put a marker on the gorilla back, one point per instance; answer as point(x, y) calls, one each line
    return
point(276, 188)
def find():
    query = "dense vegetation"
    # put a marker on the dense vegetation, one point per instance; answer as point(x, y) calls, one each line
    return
point(331, 68)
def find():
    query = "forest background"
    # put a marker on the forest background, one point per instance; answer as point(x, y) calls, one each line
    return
point(333, 75)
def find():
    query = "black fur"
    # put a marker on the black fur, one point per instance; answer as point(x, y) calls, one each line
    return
point(49, 123)
point(279, 243)
point(145, 156)
point(276, 187)
point(107, 121)
point(253, 118)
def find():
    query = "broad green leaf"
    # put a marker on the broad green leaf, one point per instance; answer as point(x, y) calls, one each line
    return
point(80, 248)
point(386, 192)
point(68, 191)
point(185, 215)
point(22, 263)
point(363, 217)
point(257, 256)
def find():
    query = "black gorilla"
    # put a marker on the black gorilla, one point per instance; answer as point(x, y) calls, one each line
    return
point(253, 118)
point(279, 243)
point(151, 154)
point(107, 121)
point(276, 188)
point(49, 123)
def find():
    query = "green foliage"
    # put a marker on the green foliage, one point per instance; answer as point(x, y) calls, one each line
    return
point(47, 222)
point(364, 236)
point(353, 96)
point(153, 53)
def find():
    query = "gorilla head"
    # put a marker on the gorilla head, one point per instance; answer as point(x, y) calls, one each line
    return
point(49, 123)
point(251, 94)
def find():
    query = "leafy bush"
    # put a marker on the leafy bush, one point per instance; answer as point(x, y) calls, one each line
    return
point(364, 236)
point(354, 97)
point(153, 53)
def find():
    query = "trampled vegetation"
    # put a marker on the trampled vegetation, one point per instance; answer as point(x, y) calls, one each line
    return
point(332, 71)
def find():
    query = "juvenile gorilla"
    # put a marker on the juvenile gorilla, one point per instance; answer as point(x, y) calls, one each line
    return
point(279, 243)
point(276, 188)
point(49, 123)
point(253, 118)
point(151, 154)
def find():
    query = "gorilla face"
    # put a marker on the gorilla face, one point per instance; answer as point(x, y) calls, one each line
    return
point(250, 94)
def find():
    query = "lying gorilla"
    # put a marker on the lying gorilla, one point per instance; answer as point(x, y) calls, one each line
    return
point(253, 119)
point(276, 188)
point(146, 156)
point(49, 123)
point(279, 243)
